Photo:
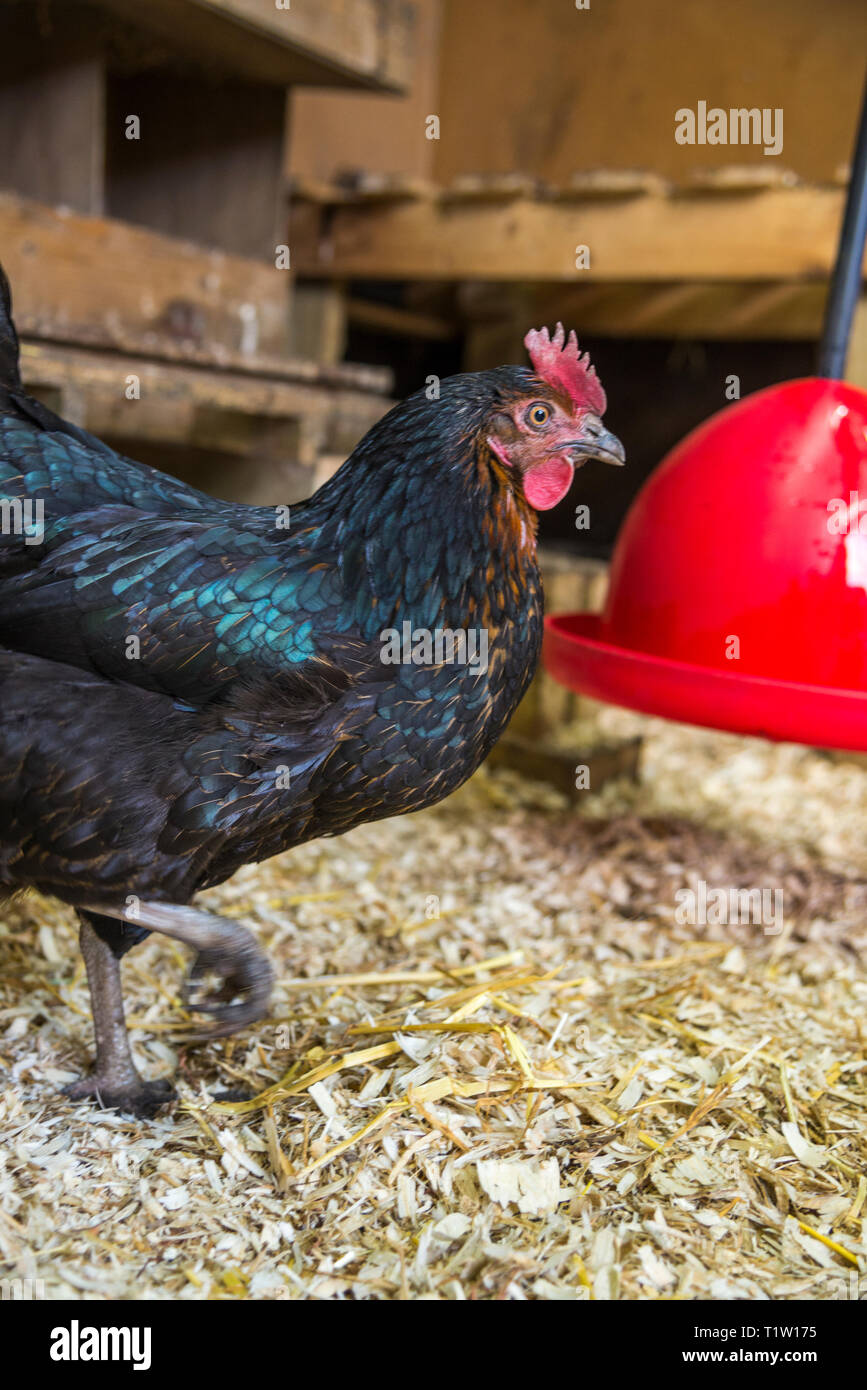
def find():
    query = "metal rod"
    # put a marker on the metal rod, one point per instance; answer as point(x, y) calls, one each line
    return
point(846, 278)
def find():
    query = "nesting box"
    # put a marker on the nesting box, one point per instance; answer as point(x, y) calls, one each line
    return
point(142, 211)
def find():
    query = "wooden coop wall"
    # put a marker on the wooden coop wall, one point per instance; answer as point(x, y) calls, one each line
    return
point(542, 88)
point(599, 87)
point(332, 131)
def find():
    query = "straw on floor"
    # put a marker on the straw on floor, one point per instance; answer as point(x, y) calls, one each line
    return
point(499, 1063)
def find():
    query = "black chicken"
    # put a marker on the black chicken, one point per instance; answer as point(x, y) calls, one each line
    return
point(189, 686)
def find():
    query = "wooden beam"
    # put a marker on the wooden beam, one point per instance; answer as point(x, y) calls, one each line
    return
point(93, 280)
point(318, 327)
point(790, 310)
point(573, 584)
point(399, 321)
point(767, 234)
point(285, 425)
point(356, 43)
point(546, 762)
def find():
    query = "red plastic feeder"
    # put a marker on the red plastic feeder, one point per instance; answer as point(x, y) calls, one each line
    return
point(738, 594)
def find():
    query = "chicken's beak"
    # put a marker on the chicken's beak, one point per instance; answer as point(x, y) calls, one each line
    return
point(595, 442)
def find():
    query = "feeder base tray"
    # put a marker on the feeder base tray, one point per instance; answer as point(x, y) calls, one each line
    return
point(577, 654)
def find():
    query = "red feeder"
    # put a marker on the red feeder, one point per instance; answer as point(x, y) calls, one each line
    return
point(738, 594)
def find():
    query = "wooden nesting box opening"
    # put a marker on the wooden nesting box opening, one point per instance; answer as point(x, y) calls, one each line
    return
point(142, 215)
point(210, 167)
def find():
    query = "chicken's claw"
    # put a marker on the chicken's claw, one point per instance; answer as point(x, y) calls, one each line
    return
point(223, 948)
point(243, 972)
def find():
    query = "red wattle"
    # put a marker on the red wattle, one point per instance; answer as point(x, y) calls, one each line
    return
point(547, 483)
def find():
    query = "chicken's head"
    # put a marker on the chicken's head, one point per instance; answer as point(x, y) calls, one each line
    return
point(542, 434)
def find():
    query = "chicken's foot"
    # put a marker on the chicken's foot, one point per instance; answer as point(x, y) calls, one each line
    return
point(224, 949)
point(114, 1081)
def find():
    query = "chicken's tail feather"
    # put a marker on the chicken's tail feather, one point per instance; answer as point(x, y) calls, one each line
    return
point(10, 375)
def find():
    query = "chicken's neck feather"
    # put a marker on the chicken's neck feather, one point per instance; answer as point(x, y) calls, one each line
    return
point(425, 525)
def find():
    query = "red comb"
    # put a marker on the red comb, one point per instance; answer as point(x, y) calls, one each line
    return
point(558, 362)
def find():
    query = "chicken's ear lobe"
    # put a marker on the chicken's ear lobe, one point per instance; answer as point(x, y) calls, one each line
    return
point(499, 450)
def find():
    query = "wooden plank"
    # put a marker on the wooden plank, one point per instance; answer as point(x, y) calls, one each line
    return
point(790, 310)
point(370, 37)
point(360, 43)
point(104, 374)
point(319, 321)
point(771, 234)
point(573, 584)
point(92, 280)
point(283, 426)
point(543, 762)
point(396, 320)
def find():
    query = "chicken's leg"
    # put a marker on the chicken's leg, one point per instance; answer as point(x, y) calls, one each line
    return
point(114, 1081)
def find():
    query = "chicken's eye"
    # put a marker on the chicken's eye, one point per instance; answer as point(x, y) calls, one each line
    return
point(538, 414)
